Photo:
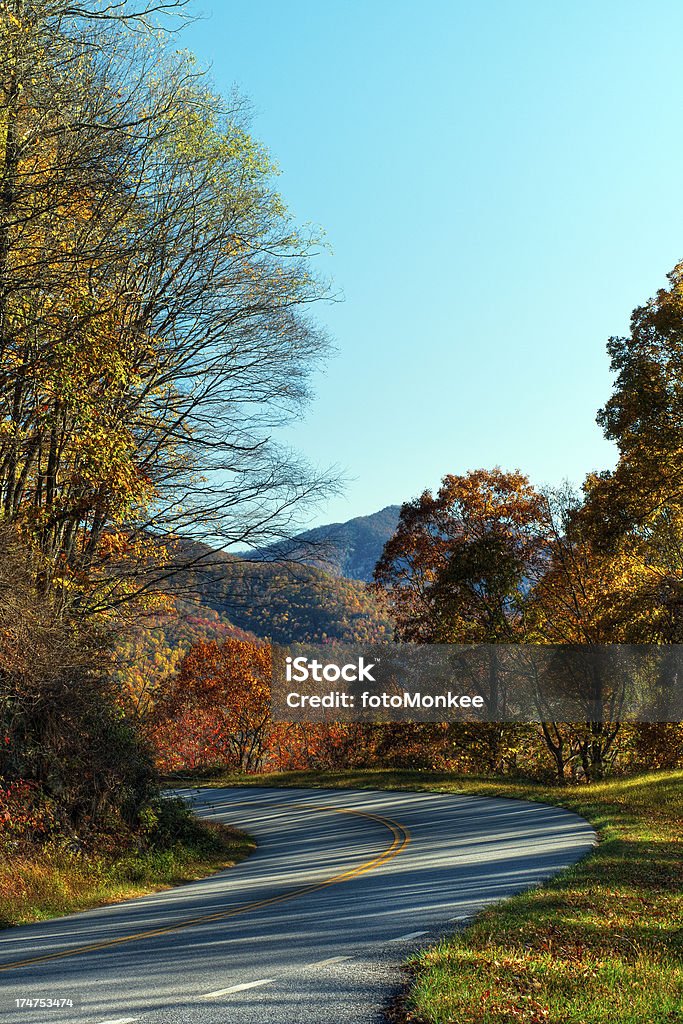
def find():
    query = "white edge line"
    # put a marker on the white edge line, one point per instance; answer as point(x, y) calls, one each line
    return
point(404, 938)
point(330, 960)
point(121, 1020)
point(236, 988)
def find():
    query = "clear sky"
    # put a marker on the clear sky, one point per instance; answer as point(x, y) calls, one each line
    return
point(500, 184)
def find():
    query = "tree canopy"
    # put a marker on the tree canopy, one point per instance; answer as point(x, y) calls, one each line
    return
point(155, 300)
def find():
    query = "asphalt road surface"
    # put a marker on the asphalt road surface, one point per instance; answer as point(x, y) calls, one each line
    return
point(311, 929)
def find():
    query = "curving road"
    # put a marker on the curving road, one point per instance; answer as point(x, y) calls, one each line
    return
point(312, 929)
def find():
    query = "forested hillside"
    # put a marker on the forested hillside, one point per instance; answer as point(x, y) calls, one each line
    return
point(286, 602)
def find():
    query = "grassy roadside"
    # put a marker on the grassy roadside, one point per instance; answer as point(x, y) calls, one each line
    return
point(602, 943)
point(52, 880)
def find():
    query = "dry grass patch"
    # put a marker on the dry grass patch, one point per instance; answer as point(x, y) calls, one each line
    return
point(49, 880)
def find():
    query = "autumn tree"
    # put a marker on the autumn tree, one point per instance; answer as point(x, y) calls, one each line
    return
point(583, 598)
point(644, 417)
point(458, 570)
point(634, 513)
point(219, 701)
point(154, 304)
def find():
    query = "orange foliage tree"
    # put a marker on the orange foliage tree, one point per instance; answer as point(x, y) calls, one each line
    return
point(458, 567)
point(216, 709)
point(458, 570)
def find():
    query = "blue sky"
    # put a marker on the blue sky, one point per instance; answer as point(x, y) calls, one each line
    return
point(499, 183)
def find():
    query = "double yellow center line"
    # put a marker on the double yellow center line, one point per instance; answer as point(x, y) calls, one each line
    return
point(401, 838)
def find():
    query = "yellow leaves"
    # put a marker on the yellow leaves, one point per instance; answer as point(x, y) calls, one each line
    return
point(12, 18)
point(146, 236)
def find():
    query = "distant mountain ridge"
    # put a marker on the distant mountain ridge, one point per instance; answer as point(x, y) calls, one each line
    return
point(349, 550)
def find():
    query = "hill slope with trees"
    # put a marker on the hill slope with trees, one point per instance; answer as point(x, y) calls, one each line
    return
point(286, 602)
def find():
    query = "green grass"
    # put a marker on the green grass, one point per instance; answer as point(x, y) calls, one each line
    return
point(602, 943)
point(49, 881)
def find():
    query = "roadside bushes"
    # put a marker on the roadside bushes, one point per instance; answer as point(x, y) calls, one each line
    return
point(24, 811)
point(69, 759)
